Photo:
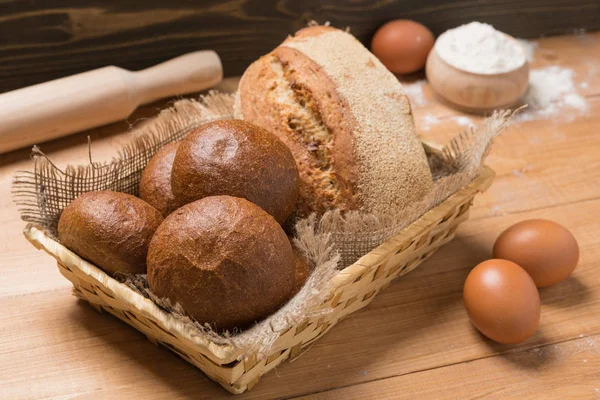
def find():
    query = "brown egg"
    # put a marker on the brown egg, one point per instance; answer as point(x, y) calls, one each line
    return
point(545, 249)
point(502, 301)
point(402, 45)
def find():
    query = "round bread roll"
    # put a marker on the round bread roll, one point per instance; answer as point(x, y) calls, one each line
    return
point(155, 184)
point(236, 158)
point(110, 229)
point(224, 260)
point(345, 118)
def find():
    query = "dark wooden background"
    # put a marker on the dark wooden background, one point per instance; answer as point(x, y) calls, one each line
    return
point(46, 39)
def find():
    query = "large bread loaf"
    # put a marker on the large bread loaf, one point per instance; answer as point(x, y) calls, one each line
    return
point(345, 118)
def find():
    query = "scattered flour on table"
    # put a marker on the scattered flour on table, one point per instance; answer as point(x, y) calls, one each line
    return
point(414, 91)
point(551, 93)
point(424, 123)
point(481, 49)
point(563, 350)
point(590, 345)
point(462, 120)
point(522, 171)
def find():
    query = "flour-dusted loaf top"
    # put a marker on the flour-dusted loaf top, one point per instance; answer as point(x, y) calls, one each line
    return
point(345, 118)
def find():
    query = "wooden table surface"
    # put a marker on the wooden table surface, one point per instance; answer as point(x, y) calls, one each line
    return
point(413, 341)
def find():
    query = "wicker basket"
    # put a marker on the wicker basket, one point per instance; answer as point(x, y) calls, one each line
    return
point(353, 288)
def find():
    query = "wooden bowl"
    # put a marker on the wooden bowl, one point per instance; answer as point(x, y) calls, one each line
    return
point(474, 92)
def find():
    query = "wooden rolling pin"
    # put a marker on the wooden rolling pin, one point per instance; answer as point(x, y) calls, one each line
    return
point(53, 109)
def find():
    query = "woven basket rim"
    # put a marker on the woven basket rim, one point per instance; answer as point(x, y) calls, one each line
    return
point(132, 298)
point(481, 183)
point(225, 353)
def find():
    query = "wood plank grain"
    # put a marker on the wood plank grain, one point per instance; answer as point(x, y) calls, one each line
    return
point(542, 163)
point(419, 322)
point(407, 328)
point(40, 42)
point(568, 370)
point(66, 349)
point(53, 346)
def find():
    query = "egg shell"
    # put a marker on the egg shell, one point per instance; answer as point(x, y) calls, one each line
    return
point(545, 249)
point(502, 301)
point(402, 45)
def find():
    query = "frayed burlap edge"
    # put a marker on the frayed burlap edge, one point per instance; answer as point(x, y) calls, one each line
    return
point(453, 167)
point(329, 243)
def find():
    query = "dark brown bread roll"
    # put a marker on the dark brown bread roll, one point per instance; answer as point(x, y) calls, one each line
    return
point(110, 229)
point(155, 184)
point(224, 260)
point(236, 158)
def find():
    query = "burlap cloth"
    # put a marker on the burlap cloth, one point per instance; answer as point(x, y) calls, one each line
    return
point(330, 242)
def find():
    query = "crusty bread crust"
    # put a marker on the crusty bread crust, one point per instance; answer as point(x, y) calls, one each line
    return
point(298, 109)
point(224, 260)
point(323, 84)
point(111, 229)
point(236, 158)
point(155, 184)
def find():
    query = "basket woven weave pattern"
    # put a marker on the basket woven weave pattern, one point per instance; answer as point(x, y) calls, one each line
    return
point(354, 288)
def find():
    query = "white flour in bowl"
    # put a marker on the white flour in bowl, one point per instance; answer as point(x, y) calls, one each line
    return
point(529, 47)
point(552, 93)
point(480, 49)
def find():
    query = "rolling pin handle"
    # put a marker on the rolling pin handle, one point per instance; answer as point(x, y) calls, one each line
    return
point(192, 72)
